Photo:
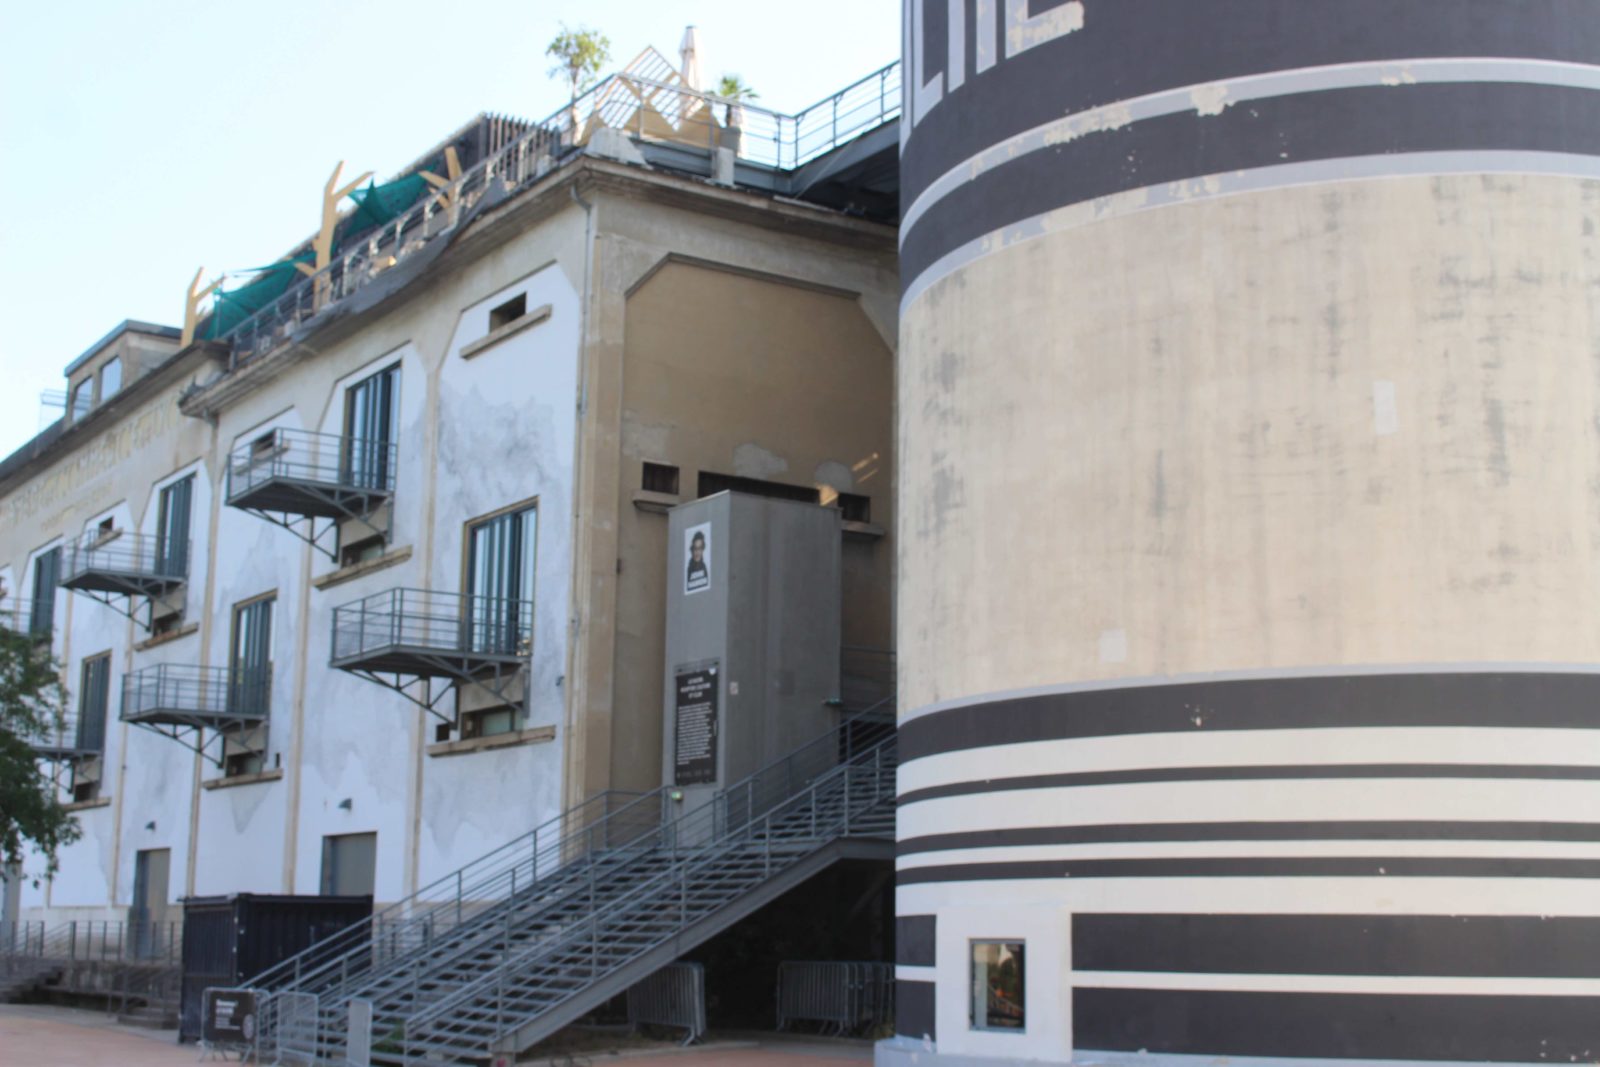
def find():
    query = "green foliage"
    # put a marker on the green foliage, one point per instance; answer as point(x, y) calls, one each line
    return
point(31, 701)
point(580, 55)
point(732, 87)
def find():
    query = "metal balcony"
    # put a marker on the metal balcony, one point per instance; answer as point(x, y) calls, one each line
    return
point(26, 617)
point(119, 568)
point(293, 478)
point(172, 699)
point(64, 741)
point(406, 638)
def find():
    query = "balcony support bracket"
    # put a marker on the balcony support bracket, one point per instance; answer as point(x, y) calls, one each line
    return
point(421, 690)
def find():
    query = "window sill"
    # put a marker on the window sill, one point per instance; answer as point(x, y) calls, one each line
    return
point(862, 529)
point(479, 744)
point(162, 639)
point(357, 570)
point(242, 779)
point(87, 805)
point(650, 500)
point(476, 348)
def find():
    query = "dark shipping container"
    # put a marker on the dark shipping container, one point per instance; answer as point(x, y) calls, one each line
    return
point(229, 940)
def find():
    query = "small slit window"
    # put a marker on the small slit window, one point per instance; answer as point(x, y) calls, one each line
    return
point(509, 312)
point(660, 478)
point(855, 507)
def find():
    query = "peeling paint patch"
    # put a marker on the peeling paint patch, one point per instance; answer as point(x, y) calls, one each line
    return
point(1024, 31)
point(834, 475)
point(750, 460)
point(1210, 99)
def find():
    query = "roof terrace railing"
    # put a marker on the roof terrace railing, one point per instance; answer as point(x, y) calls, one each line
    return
point(647, 109)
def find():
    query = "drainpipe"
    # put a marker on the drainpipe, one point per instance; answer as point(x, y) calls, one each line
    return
point(575, 689)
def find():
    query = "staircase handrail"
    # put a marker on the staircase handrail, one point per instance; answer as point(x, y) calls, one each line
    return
point(497, 879)
point(453, 891)
point(714, 847)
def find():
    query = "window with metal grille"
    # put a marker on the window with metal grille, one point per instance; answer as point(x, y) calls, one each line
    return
point(172, 528)
point(500, 567)
point(46, 576)
point(94, 696)
point(370, 428)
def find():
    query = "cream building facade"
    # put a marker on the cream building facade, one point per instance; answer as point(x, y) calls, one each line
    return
point(495, 407)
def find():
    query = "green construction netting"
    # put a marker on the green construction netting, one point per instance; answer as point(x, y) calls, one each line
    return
point(233, 306)
point(378, 204)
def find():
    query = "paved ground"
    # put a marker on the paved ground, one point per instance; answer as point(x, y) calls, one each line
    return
point(38, 1036)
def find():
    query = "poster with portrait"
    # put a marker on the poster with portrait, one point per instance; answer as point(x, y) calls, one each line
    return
point(697, 559)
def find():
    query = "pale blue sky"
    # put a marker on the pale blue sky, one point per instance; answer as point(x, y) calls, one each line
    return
point(143, 139)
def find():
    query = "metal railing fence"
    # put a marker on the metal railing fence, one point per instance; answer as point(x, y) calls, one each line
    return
point(673, 996)
point(85, 940)
point(843, 997)
point(427, 619)
point(319, 458)
point(646, 109)
point(127, 553)
point(185, 691)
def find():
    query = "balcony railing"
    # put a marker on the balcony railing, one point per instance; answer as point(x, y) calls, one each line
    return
point(296, 472)
point(216, 698)
point(35, 618)
point(126, 563)
point(69, 738)
point(406, 630)
point(650, 109)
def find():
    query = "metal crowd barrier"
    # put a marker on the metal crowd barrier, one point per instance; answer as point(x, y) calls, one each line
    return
point(673, 996)
point(842, 997)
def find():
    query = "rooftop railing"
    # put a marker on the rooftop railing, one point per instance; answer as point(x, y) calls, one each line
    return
point(399, 622)
point(650, 110)
point(123, 561)
point(183, 695)
point(298, 461)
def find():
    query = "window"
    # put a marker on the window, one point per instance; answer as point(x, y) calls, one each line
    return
point(172, 528)
point(854, 507)
point(998, 993)
point(244, 752)
point(500, 567)
point(94, 696)
point(250, 663)
point(487, 723)
point(509, 312)
point(711, 483)
point(370, 427)
point(368, 548)
point(46, 576)
point(660, 478)
point(111, 379)
point(349, 864)
point(78, 401)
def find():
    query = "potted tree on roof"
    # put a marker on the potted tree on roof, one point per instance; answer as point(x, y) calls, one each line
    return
point(735, 92)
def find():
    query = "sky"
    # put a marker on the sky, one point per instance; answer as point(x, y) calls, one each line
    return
point(142, 139)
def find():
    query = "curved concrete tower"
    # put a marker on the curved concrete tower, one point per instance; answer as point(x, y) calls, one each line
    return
point(1250, 530)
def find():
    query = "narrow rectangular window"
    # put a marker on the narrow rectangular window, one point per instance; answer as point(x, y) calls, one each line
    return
point(711, 483)
point(111, 379)
point(250, 665)
point(46, 576)
point(998, 986)
point(660, 478)
point(509, 312)
point(500, 568)
point(172, 528)
point(94, 696)
point(370, 429)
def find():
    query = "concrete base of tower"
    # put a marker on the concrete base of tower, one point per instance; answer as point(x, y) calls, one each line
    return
point(915, 1052)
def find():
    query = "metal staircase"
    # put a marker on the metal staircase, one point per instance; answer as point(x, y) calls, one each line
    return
point(526, 940)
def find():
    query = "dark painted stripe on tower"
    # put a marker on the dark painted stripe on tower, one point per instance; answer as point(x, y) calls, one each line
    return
point(914, 1009)
point(1298, 772)
point(1324, 1025)
point(1486, 946)
point(1520, 700)
point(1255, 867)
point(914, 939)
point(1330, 125)
point(1330, 830)
point(1101, 63)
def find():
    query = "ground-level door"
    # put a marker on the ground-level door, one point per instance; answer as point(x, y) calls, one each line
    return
point(147, 919)
point(349, 864)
